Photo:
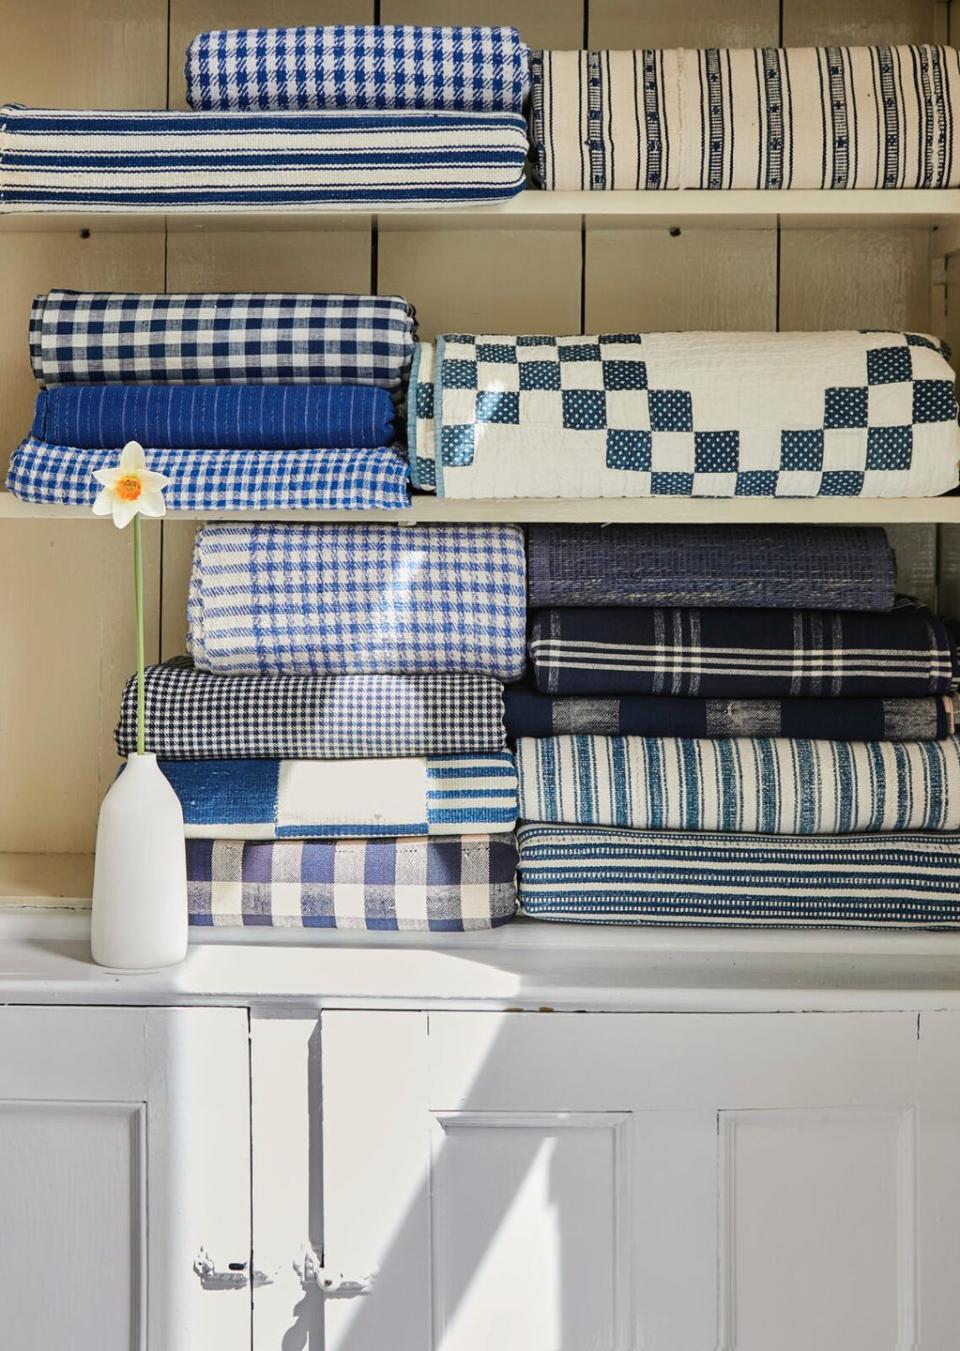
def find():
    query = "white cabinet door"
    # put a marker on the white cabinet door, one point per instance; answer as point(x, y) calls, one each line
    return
point(124, 1149)
point(576, 1182)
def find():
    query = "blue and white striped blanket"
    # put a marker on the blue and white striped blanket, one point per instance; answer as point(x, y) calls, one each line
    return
point(222, 480)
point(54, 160)
point(596, 875)
point(766, 785)
point(304, 799)
point(356, 66)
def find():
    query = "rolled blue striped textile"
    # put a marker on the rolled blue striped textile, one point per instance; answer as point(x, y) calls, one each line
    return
point(759, 785)
point(304, 799)
point(53, 160)
point(532, 714)
point(218, 417)
point(595, 875)
point(105, 337)
point(357, 66)
point(740, 654)
point(350, 600)
point(222, 480)
point(814, 567)
point(434, 885)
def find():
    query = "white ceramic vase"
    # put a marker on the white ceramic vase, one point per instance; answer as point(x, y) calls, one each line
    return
point(139, 919)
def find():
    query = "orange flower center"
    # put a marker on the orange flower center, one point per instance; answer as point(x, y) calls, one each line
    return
point(128, 488)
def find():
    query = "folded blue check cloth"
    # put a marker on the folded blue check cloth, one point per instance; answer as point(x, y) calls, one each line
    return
point(305, 799)
point(52, 160)
point(435, 885)
point(219, 417)
point(222, 480)
point(359, 66)
point(765, 785)
point(104, 337)
point(593, 874)
point(356, 599)
point(740, 654)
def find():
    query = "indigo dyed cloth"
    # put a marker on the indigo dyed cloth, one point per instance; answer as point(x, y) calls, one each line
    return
point(303, 799)
point(532, 714)
point(593, 874)
point(193, 715)
point(347, 600)
point(817, 567)
point(839, 414)
point(222, 480)
point(107, 337)
point(357, 66)
point(760, 785)
point(57, 160)
point(220, 417)
point(800, 117)
point(432, 885)
point(740, 654)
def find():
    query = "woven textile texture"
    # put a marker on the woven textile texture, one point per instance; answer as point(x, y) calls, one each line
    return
point(433, 885)
point(592, 874)
point(348, 600)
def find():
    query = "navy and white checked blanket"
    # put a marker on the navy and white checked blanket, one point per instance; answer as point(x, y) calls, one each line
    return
point(809, 117)
point(766, 785)
point(739, 654)
point(592, 874)
point(222, 480)
point(812, 567)
point(532, 714)
point(347, 600)
point(105, 337)
point(356, 66)
point(433, 885)
point(52, 160)
point(323, 799)
point(221, 417)
point(193, 715)
point(842, 414)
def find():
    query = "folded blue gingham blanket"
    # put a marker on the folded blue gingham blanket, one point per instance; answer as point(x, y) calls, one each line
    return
point(193, 715)
point(814, 567)
point(435, 885)
point(798, 117)
point(840, 414)
point(766, 785)
point(106, 337)
point(592, 874)
point(529, 713)
point(323, 799)
point(358, 66)
point(220, 417)
point(740, 654)
point(222, 480)
point(368, 599)
point(52, 160)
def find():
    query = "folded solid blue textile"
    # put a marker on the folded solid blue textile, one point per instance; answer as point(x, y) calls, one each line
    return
point(220, 417)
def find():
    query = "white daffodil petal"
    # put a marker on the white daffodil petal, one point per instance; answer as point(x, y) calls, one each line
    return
point(132, 458)
point(103, 505)
point(153, 482)
point(152, 504)
point(108, 477)
point(123, 512)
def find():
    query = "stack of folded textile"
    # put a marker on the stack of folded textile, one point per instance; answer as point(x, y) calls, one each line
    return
point(337, 741)
point(243, 401)
point(734, 726)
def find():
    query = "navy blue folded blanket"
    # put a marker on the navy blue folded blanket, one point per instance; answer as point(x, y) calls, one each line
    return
point(216, 417)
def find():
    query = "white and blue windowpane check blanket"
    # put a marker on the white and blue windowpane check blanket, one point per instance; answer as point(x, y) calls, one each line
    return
point(843, 414)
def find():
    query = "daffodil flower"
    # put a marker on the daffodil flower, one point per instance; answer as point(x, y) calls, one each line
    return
point(131, 489)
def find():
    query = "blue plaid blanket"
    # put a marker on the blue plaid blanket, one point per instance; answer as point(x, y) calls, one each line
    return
point(53, 160)
point(356, 66)
point(104, 337)
point(222, 417)
point(222, 480)
point(593, 874)
point(353, 599)
point(433, 885)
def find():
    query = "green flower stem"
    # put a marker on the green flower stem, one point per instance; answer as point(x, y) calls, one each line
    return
point(138, 588)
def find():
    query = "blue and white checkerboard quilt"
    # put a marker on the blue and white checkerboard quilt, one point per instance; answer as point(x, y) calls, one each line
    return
point(842, 414)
